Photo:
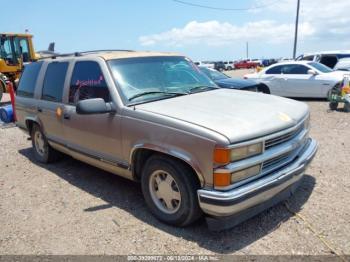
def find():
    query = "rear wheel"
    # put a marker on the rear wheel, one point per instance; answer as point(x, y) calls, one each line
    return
point(170, 190)
point(347, 107)
point(43, 152)
point(333, 105)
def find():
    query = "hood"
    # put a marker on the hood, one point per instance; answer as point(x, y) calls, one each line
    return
point(234, 83)
point(237, 115)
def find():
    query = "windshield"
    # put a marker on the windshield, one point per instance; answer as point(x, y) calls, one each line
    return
point(152, 78)
point(213, 74)
point(320, 67)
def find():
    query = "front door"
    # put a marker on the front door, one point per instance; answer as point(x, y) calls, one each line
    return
point(296, 82)
point(97, 136)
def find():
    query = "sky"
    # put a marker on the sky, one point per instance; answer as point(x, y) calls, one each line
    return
point(167, 25)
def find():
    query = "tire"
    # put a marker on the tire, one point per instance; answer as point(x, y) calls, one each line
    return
point(347, 107)
point(163, 176)
point(1, 93)
point(43, 152)
point(264, 89)
point(333, 105)
point(229, 68)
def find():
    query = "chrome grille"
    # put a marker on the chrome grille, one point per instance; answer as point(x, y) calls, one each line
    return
point(276, 161)
point(283, 138)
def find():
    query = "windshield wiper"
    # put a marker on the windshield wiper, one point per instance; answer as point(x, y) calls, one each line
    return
point(157, 92)
point(202, 88)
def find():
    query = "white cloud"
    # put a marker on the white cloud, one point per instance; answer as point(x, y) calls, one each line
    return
point(322, 19)
point(329, 18)
point(214, 33)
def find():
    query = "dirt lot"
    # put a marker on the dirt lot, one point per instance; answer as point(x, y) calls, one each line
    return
point(72, 208)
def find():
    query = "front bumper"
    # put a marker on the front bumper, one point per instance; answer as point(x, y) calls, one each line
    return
point(229, 208)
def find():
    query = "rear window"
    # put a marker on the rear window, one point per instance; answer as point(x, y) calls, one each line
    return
point(28, 79)
point(54, 81)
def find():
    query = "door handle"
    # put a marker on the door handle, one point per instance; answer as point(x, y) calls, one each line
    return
point(39, 109)
point(66, 116)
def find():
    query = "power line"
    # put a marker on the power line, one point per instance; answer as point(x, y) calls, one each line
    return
point(226, 9)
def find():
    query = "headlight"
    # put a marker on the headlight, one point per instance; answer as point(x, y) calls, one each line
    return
point(224, 156)
point(307, 123)
point(245, 151)
point(226, 179)
point(245, 173)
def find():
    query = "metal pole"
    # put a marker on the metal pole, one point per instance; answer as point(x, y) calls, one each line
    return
point(296, 31)
point(247, 50)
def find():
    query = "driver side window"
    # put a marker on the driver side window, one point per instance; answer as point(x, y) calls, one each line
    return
point(87, 82)
point(295, 70)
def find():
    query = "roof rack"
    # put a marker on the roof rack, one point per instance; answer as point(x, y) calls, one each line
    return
point(84, 53)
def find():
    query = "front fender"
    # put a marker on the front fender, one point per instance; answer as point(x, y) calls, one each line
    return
point(171, 151)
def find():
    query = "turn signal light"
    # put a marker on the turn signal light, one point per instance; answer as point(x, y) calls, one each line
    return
point(222, 179)
point(222, 156)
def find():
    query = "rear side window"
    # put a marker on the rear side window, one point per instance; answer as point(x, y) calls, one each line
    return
point(54, 81)
point(28, 79)
point(87, 82)
point(308, 58)
point(275, 70)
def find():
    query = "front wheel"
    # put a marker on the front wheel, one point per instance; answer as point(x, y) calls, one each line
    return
point(170, 191)
point(263, 89)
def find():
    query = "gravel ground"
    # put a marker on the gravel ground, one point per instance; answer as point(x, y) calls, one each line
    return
point(72, 208)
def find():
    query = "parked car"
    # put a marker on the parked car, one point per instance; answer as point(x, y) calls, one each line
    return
point(246, 64)
point(155, 118)
point(268, 62)
point(219, 66)
point(229, 65)
point(205, 64)
point(328, 58)
point(298, 79)
point(225, 81)
point(343, 64)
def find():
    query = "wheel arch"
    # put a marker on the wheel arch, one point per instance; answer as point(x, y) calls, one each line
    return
point(141, 153)
point(30, 121)
point(264, 88)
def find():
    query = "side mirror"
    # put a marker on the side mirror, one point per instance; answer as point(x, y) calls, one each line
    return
point(93, 106)
point(311, 72)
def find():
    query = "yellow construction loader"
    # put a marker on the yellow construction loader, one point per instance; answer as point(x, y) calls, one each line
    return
point(15, 51)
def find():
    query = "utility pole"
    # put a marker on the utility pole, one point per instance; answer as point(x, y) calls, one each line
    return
point(296, 31)
point(247, 50)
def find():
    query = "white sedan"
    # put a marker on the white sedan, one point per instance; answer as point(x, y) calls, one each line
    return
point(298, 79)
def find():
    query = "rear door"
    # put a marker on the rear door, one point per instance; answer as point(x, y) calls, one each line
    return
point(25, 97)
point(97, 136)
point(49, 107)
point(272, 78)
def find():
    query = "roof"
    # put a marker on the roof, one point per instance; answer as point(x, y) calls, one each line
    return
point(302, 62)
point(15, 34)
point(111, 54)
point(129, 54)
point(333, 52)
